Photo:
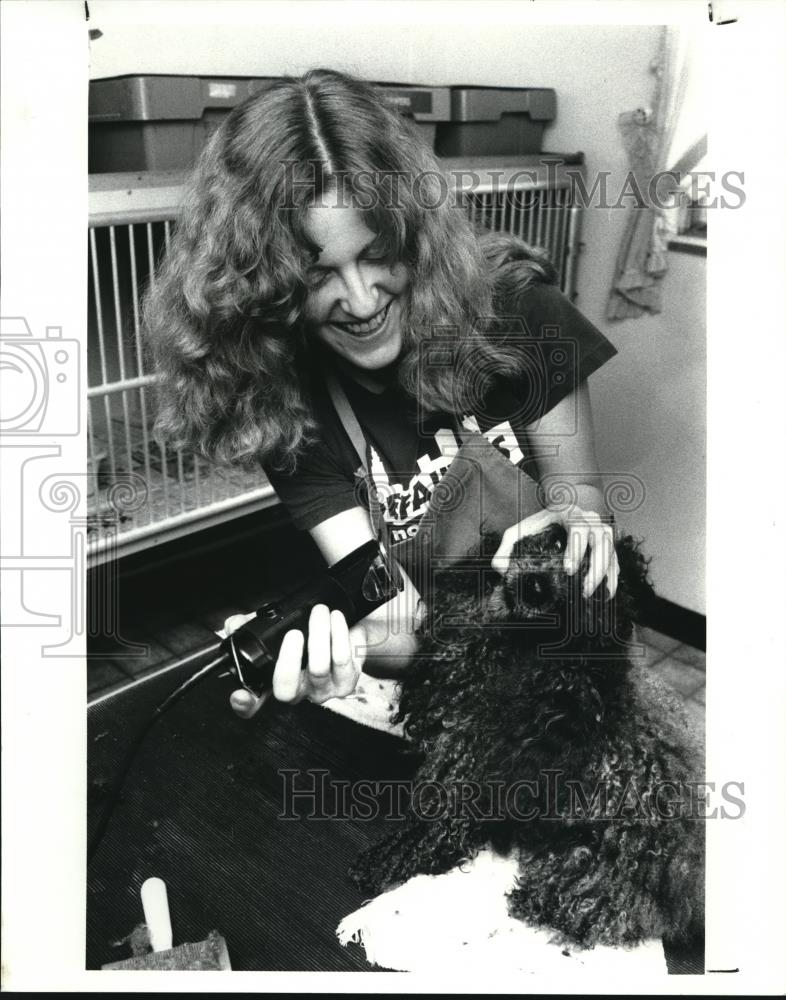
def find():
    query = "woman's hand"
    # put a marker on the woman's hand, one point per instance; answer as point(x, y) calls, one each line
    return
point(584, 527)
point(332, 672)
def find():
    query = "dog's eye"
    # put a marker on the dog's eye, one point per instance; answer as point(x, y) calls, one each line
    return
point(558, 539)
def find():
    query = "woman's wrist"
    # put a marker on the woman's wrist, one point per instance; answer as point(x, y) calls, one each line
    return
point(358, 644)
point(589, 497)
point(389, 635)
point(388, 653)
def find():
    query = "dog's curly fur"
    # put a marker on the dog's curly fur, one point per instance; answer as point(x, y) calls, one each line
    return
point(522, 679)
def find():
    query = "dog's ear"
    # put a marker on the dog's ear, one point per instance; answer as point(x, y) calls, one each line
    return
point(635, 586)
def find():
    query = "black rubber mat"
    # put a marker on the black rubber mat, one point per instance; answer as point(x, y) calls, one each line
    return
point(201, 808)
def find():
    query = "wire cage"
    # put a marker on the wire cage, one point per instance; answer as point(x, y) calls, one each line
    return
point(143, 491)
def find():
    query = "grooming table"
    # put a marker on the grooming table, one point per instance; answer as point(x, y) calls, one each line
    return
point(201, 809)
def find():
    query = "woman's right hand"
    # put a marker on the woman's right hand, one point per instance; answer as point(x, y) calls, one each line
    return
point(333, 662)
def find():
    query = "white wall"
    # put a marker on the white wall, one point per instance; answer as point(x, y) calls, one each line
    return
point(597, 70)
point(650, 414)
point(649, 402)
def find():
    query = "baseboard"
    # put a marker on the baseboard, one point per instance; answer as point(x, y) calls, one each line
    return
point(677, 622)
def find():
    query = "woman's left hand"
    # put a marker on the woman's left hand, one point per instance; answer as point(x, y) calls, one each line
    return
point(584, 528)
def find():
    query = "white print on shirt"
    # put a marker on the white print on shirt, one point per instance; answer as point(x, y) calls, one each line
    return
point(501, 436)
point(404, 506)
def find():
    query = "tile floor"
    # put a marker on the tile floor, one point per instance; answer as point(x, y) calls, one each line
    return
point(681, 666)
point(145, 653)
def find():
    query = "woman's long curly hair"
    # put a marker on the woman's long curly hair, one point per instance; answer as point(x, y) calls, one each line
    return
point(225, 316)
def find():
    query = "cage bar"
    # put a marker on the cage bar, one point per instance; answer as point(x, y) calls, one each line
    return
point(101, 349)
point(139, 354)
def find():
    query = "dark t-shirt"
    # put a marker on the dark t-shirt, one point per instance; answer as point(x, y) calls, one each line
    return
point(411, 451)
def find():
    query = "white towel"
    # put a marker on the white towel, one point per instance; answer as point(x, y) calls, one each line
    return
point(373, 703)
point(460, 920)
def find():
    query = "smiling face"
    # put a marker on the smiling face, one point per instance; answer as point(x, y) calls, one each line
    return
point(356, 298)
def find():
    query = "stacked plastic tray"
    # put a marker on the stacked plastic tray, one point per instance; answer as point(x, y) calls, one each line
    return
point(140, 123)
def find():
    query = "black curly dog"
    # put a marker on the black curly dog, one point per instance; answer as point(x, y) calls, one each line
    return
point(525, 685)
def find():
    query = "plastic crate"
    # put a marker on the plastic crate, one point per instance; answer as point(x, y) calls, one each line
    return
point(495, 121)
point(163, 122)
point(428, 106)
point(157, 122)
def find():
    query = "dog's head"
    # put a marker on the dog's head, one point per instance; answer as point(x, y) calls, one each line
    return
point(537, 588)
point(535, 584)
point(536, 648)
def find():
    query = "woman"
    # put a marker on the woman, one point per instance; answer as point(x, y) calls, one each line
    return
point(316, 237)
